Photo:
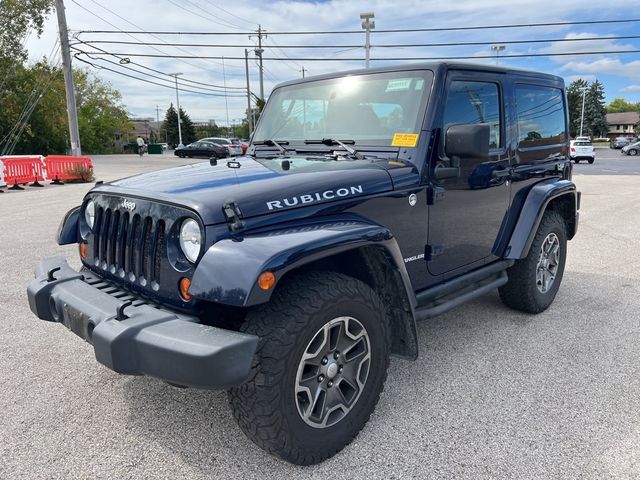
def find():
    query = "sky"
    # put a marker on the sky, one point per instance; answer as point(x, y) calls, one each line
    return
point(620, 73)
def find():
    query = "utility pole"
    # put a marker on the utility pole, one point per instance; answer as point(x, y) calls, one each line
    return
point(72, 112)
point(158, 120)
point(303, 70)
point(498, 49)
point(226, 101)
point(246, 71)
point(368, 25)
point(175, 75)
point(584, 91)
point(258, 51)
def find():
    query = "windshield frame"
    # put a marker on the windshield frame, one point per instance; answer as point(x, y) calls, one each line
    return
point(425, 74)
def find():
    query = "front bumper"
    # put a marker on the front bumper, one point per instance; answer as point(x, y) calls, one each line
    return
point(134, 337)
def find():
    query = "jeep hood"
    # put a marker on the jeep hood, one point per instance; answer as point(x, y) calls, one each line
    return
point(258, 186)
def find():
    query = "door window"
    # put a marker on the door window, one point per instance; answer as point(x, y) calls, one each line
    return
point(474, 102)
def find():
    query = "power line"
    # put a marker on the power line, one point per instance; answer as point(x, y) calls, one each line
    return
point(400, 30)
point(127, 67)
point(128, 61)
point(208, 17)
point(384, 59)
point(396, 45)
point(155, 83)
point(129, 33)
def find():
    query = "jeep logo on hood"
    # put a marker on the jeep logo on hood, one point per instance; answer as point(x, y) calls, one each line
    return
point(314, 197)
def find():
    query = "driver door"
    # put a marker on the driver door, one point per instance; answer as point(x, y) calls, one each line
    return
point(468, 208)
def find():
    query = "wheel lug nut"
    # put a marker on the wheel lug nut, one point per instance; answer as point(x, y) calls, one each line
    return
point(330, 384)
point(320, 378)
point(324, 361)
point(340, 369)
point(336, 355)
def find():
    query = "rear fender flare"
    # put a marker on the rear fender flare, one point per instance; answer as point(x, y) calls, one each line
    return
point(537, 200)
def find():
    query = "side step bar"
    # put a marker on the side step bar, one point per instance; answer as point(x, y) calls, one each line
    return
point(448, 295)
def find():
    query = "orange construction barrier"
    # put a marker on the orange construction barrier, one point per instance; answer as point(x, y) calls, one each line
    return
point(64, 167)
point(22, 169)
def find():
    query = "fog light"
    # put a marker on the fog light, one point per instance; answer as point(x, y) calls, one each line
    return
point(83, 250)
point(266, 280)
point(185, 283)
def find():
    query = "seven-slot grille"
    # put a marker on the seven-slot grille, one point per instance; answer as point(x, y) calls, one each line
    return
point(129, 245)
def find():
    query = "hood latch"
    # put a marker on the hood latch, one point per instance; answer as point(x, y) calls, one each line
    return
point(233, 215)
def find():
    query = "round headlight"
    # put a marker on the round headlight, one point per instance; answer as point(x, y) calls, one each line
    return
point(90, 213)
point(190, 239)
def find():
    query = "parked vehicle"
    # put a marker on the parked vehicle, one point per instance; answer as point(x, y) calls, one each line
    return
point(367, 201)
point(165, 146)
point(582, 150)
point(202, 148)
point(620, 142)
point(632, 149)
point(231, 147)
point(244, 144)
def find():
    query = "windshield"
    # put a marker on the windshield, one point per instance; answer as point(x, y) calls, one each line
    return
point(368, 109)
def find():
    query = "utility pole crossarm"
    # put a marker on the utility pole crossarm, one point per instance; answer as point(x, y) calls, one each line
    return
point(72, 112)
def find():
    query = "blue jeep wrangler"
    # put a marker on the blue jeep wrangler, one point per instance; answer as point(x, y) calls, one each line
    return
point(366, 201)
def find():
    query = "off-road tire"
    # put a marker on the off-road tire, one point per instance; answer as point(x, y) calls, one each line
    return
point(265, 405)
point(521, 292)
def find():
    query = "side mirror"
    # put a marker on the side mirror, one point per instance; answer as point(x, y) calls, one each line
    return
point(468, 140)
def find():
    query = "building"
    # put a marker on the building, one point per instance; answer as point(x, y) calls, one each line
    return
point(622, 124)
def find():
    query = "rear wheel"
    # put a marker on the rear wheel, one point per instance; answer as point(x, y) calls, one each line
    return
point(319, 368)
point(535, 279)
point(591, 160)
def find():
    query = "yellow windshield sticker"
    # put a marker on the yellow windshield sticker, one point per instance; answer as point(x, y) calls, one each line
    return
point(404, 140)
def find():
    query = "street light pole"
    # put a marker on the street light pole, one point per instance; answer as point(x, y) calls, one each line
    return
point(498, 49)
point(246, 71)
point(584, 91)
point(367, 25)
point(175, 75)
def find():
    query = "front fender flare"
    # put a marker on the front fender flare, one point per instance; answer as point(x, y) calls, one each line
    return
point(68, 232)
point(229, 270)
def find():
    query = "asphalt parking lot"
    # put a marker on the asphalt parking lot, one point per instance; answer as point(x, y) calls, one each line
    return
point(494, 393)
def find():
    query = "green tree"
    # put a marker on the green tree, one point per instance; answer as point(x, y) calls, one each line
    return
point(595, 110)
point(17, 19)
point(188, 129)
point(101, 115)
point(574, 99)
point(621, 105)
point(169, 126)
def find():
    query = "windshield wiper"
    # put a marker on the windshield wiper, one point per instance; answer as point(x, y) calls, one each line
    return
point(273, 143)
point(332, 141)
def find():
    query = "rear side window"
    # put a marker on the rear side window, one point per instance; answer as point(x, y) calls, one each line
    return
point(474, 102)
point(541, 117)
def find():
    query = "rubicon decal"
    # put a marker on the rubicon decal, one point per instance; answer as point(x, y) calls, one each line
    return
point(315, 197)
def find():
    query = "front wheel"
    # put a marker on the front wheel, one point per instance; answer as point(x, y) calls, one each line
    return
point(633, 152)
point(535, 279)
point(319, 368)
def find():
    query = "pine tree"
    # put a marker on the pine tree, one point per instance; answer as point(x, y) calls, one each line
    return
point(188, 129)
point(574, 98)
point(595, 110)
point(169, 127)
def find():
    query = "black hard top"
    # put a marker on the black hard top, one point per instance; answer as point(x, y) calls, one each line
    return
point(434, 66)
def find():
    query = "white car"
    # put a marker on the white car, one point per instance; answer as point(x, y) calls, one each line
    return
point(582, 150)
point(225, 142)
point(632, 149)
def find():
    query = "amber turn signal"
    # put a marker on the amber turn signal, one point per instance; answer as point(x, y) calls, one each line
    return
point(266, 280)
point(185, 283)
point(83, 250)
